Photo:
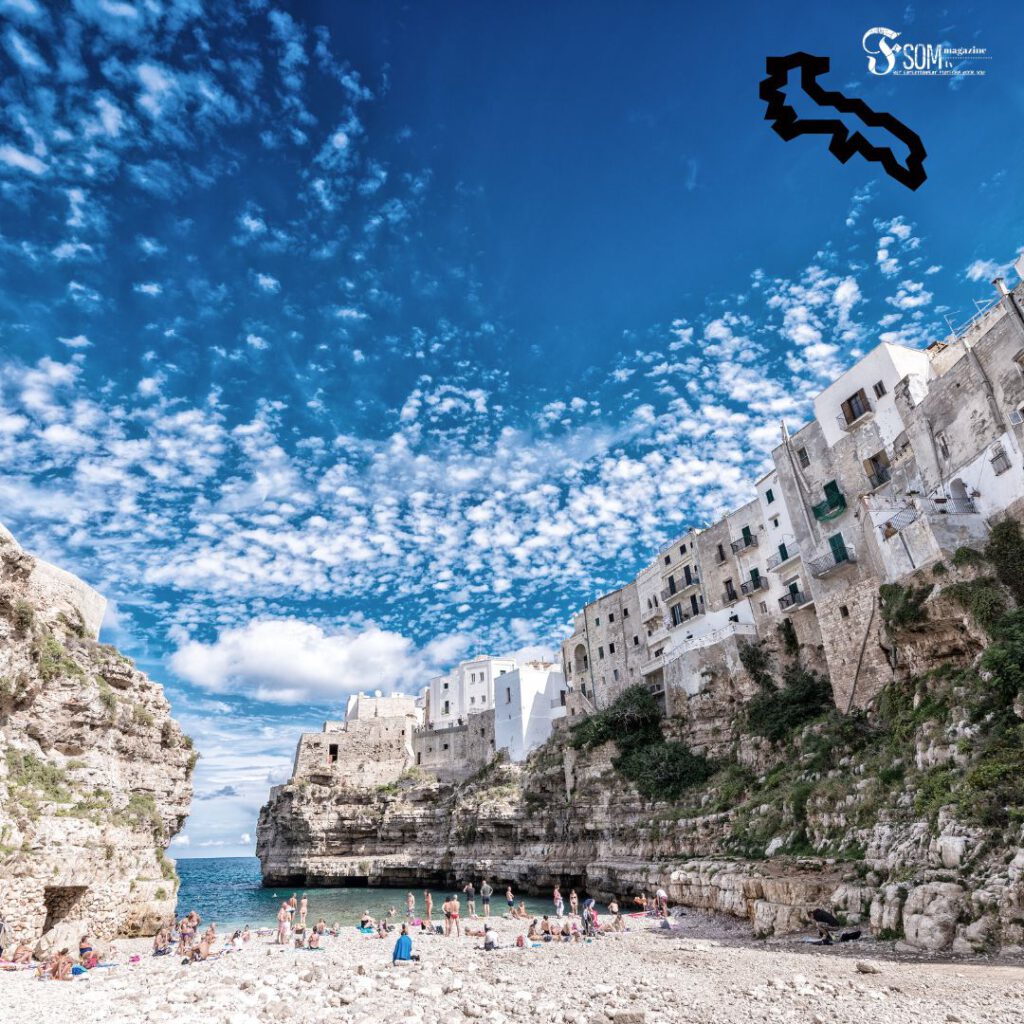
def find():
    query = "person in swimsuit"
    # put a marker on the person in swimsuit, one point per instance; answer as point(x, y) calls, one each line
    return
point(303, 910)
point(22, 953)
point(485, 896)
point(282, 924)
point(574, 903)
point(84, 947)
point(470, 892)
point(59, 968)
point(410, 905)
point(451, 914)
point(428, 903)
point(511, 901)
point(556, 898)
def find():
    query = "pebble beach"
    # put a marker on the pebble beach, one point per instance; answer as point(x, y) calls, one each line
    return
point(705, 970)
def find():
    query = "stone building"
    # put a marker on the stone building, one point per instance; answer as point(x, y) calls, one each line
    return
point(527, 703)
point(465, 690)
point(911, 454)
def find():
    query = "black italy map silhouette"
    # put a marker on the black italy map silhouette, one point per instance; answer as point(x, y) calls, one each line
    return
point(845, 142)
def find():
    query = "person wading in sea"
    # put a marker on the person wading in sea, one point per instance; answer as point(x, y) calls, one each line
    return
point(410, 905)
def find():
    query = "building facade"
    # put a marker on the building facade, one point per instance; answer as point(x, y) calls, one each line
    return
point(527, 702)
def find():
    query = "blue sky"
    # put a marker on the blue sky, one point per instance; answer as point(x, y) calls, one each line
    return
point(340, 341)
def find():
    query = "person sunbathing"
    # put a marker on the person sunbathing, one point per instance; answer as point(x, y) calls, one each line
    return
point(314, 939)
point(203, 950)
point(84, 947)
point(366, 921)
point(59, 968)
point(521, 911)
point(532, 932)
point(161, 943)
point(22, 953)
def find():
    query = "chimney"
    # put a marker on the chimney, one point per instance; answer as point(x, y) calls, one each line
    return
point(1000, 286)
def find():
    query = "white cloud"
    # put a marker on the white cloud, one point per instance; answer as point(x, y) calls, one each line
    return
point(269, 284)
point(181, 840)
point(148, 288)
point(78, 341)
point(986, 270)
point(255, 341)
point(290, 661)
point(245, 839)
point(24, 161)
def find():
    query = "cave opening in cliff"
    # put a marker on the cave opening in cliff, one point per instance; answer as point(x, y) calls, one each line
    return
point(62, 903)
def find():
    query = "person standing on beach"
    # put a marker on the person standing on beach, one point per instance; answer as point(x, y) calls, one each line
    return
point(303, 910)
point(510, 900)
point(410, 905)
point(283, 919)
point(485, 896)
point(428, 902)
point(574, 903)
point(451, 916)
point(662, 898)
point(293, 905)
point(556, 898)
point(470, 899)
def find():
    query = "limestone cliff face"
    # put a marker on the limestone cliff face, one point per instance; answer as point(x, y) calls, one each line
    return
point(906, 820)
point(95, 775)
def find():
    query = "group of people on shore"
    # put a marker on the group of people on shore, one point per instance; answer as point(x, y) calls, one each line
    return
point(188, 940)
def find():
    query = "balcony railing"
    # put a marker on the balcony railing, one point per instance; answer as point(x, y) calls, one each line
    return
point(743, 542)
point(848, 423)
point(830, 508)
point(824, 564)
point(794, 599)
point(948, 506)
point(774, 561)
point(681, 587)
point(882, 475)
point(752, 586)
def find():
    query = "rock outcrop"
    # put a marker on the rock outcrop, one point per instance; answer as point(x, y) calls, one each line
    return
point(95, 775)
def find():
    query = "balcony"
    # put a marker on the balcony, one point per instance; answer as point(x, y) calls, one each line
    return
point(947, 506)
point(830, 508)
point(753, 586)
point(778, 560)
point(793, 600)
point(730, 596)
point(743, 542)
point(831, 561)
point(651, 614)
point(882, 475)
point(680, 588)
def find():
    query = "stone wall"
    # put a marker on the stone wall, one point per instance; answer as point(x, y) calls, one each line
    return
point(363, 752)
point(455, 753)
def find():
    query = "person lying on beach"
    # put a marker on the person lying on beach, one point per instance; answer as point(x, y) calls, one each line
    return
point(475, 933)
point(320, 927)
point(246, 934)
point(202, 951)
point(57, 969)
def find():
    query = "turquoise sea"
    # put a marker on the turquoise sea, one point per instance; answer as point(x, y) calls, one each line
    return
point(229, 890)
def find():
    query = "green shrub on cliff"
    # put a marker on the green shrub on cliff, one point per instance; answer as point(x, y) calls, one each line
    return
point(1005, 550)
point(902, 606)
point(981, 598)
point(777, 713)
point(660, 769)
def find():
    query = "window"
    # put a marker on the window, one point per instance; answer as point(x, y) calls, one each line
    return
point(615, 674)
point(332, 753)
point(625, 613)
point(855, 407)
point(444, 746)
point(597, 621)
point(668, 559)
point(844, 612)
point(721, 554)
point(611, 616)
point(730, 591)
point(1000, 463)
point(600, 652)
point(481, 732)
point(879, 388)
point(636, 640)
point(682, 549)
point(502, 671)
point(447, 705)
point(940, 441)
point(775, 523)
point(764, 606)
point(508, 694)
point(444, 686)
point(419, 756)
point(803, 458)
point(677, 615)
point(769, 496)
point(611, 648)
point(671, 584)
point(693, 603)
point(472, 700)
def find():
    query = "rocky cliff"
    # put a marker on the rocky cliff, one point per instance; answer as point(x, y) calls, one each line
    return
point(94, 773)
point(905, 819)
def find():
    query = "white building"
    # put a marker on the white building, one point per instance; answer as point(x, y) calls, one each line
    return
point(465, 690)
point(527, 702)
